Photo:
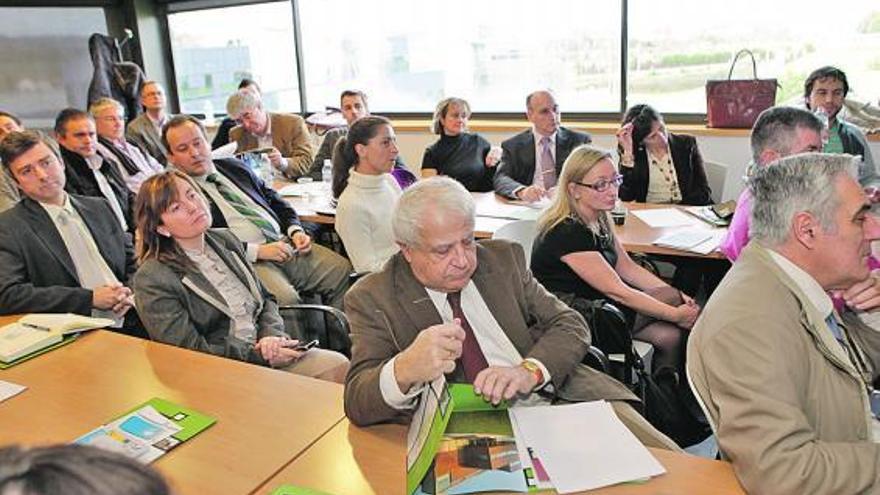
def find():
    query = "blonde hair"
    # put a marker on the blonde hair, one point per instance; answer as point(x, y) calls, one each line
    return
point(443, 108)
point(581, 160)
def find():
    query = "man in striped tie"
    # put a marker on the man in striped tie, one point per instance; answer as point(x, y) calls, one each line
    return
point(283, 254)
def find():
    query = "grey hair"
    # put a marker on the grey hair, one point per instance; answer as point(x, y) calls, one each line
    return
point(795, 184)
point(776, 129)
point(242, 100)
point(439, 196)
point(102, 103)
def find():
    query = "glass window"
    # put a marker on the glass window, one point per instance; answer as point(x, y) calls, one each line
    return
point(673, 50)
point(214, 49)
point(45, 60)
point(408, 55)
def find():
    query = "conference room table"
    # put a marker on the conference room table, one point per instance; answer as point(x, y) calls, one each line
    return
point(265, 418)
point(635, 234)
point(370, 461)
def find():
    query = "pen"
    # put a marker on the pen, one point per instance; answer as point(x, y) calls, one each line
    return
point(37, 327)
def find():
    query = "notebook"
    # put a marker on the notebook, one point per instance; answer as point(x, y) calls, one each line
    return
point(37, 331)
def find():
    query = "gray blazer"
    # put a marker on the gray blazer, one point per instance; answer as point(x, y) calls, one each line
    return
point(388, 309)
point(143, 133)
point(37, 273)
point(517, 167)
point(184, 309)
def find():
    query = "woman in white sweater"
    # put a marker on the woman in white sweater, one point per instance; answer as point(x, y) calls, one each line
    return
point(367, 192)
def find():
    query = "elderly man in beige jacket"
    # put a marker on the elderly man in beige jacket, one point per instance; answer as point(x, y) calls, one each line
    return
point(786, 381)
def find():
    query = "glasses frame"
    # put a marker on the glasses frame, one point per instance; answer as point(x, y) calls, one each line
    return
point(602, 185)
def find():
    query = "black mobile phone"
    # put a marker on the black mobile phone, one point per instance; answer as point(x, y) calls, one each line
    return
point(304, 346)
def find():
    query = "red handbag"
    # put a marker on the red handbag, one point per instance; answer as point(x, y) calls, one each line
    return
point(736, 103)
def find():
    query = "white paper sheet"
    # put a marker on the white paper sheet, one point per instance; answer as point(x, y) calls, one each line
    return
point(665, 217)
point(8, 390)
point(584, 446)
point(506, 210)
point(226, 151)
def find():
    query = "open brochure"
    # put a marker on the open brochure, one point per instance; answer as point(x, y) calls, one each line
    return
point(149, 431)
point(35, 332)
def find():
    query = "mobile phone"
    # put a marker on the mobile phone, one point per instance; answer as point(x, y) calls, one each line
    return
point(304, 346)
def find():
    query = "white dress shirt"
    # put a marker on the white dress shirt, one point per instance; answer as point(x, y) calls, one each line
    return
point(94, 162)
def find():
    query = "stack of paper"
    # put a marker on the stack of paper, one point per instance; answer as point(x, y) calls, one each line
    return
point(583, 446)
point(695, 241)
point(665, 217)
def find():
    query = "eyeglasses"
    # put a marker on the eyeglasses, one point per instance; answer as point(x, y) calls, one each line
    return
point(602, 184)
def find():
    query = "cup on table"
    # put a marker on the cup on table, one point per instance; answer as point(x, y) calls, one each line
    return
point(305, 182)
point(495, 154)
point(618, 214)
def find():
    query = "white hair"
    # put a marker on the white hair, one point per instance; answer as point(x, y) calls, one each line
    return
point(435, 196)
point(795, 184)
point(103, 103)
point(242, 100)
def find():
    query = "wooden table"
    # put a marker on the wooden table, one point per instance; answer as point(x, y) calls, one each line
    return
point(636, 235)
point(265, 417)
point(363, 461)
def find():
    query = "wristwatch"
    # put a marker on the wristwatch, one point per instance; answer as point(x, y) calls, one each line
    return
point(535, 370)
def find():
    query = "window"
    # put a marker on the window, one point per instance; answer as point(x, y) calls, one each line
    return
point(214, 49)
point(674, 49)
point(409, 55)
point(45, 60)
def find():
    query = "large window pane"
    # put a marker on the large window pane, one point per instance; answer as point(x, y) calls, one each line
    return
point(44, 55)
point(408, 54)
point(214, 49)
point(675, 47)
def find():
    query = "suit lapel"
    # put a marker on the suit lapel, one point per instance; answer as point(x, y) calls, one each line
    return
point(39, 221)
point(236, 265)
point(527, 156)
point(414, 303)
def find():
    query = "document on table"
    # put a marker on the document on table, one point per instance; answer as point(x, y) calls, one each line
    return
point(700, 241)
point(665, 217)
point(513, 211)
point(8, 390)
point(584, 446)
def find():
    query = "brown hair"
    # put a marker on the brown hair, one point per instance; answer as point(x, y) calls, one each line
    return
point(154, 198)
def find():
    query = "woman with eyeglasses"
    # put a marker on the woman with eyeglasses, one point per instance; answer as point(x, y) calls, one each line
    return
point(577, 257)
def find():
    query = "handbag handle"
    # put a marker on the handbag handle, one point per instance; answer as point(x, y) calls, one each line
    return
point(736, 57)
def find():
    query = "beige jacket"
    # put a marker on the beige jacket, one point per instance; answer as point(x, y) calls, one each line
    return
point(789, 410)
point(289, 135)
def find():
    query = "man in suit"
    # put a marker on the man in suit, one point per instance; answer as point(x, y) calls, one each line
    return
point(528, 171)
point(286, 135)
point(88, 172)
point(134, 164)
point(786, 381)
point(283, 254)
point(446, 305)
point(59, 252)
point(146, 129)
point(8, 192)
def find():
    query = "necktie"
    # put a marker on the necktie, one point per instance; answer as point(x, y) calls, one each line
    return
point(835, 329)
point(548, 164)
point(242, 208)
point(472, 359)
point(91, 269)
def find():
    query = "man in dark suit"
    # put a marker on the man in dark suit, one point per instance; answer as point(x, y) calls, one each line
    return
point(88, 173)
point(59, 252)
point(283, 254)
point(528, 172)
point(446, 305)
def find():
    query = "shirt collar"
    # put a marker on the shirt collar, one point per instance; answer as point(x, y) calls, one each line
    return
point(805, 282)
point(54, 211)
point(94, 162)
point(539, 137)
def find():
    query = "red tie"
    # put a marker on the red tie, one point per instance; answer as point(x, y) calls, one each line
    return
point(472, 359)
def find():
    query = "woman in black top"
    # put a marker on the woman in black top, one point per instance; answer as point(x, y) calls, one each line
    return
point(577, 255)
point(660, 167)
point(464, 156)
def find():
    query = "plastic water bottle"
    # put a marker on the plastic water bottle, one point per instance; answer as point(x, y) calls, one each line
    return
point(820, 113)
point(327, 171)
point(266, 169)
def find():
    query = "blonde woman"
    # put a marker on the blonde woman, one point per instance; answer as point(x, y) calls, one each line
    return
point(466, 157)
point(577, 256)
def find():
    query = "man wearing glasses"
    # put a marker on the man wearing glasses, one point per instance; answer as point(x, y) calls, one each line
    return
point(285, 136)
point(134, 164)
point(146, 129)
